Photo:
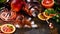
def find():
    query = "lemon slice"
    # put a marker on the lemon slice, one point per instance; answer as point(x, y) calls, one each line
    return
point(2, 28)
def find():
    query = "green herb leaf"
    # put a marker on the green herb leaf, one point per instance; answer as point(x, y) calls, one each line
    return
point(50, 11)
point(10, 26)
point(2, 1)
point(59, 9)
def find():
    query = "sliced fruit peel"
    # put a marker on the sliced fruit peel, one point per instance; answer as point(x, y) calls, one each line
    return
point(45, 18)
point(40, 17)
point(49, 5)
point(49, 12)
point(9, 25)
point(45, 14)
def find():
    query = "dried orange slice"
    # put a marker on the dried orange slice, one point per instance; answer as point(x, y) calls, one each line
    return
point(42, 17)
point(8, 28)
point(49, 12)
point(48, 15)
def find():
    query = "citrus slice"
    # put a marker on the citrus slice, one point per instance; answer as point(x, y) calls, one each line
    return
point(8, 28)
point(7, 16)
point(46, 14)
point(42, 17)
point(47, 3)
point(49, 12)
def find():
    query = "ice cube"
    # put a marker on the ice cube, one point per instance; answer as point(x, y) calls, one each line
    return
point(34, 26)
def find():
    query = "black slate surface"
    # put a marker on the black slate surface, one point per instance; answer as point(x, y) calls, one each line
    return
point(42, 29)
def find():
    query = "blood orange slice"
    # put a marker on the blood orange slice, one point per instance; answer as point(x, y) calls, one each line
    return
point(47, 3)
point(8, 28)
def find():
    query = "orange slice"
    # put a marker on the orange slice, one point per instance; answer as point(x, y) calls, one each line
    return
point(42, 17)
point(8, 28)
point(46, 14)
point(50, 15)
point(47, 3)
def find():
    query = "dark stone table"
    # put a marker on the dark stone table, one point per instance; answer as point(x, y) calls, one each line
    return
point(42, 29)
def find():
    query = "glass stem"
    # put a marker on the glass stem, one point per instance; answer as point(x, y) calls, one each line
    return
point(47, 21)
